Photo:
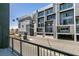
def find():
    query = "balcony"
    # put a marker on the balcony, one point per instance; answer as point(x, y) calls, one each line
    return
point(6, 52)
point(20, 47)
point(62, 29)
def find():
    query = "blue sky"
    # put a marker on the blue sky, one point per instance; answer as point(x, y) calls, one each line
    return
point(20, 9)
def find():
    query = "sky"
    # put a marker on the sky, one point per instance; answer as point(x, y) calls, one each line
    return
point(21, 9)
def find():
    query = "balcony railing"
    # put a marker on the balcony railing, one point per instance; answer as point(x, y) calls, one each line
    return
point(27, 48)
point(64, 31)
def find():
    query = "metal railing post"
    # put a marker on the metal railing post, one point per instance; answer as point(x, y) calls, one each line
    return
point(20, 48)
point(37, 50)
point(12, 45)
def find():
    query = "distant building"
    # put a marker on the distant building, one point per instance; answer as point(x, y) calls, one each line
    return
point(60, 20)
point(26, 25)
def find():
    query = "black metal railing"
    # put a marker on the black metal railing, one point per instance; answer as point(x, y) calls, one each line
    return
point(27, 48)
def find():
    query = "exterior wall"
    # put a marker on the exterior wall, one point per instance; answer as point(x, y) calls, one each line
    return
point(77, 21)
point(76, 9)
point(26, 25)
point(4, 25)
point(25, 28)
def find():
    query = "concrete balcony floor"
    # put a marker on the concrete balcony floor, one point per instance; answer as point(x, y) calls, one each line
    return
point(6, 52)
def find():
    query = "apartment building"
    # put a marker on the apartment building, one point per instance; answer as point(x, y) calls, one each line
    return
point(25, 25)
point(60, 20)
point(46, 17)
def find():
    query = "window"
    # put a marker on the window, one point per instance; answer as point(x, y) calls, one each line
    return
point(40, 13)
point(67, 21)
point(19, 25)
point(41, 25)
point(71, 21)
point(22, 26)
point(48, 23)
point(64, 21)
point(67, 13)
point(77, 29)
point(40, 22)
point(48, 27)
point(77, 20)
point(67, 17)
point(50, 10)
point(39, 30)
point(50, 17)
point(65, 6)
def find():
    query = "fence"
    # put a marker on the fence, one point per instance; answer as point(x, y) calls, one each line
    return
point(27, 48)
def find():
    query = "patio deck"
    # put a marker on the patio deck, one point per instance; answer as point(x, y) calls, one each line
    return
point(6, 52)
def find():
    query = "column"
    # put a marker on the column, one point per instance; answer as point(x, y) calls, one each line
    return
point(75, 38)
